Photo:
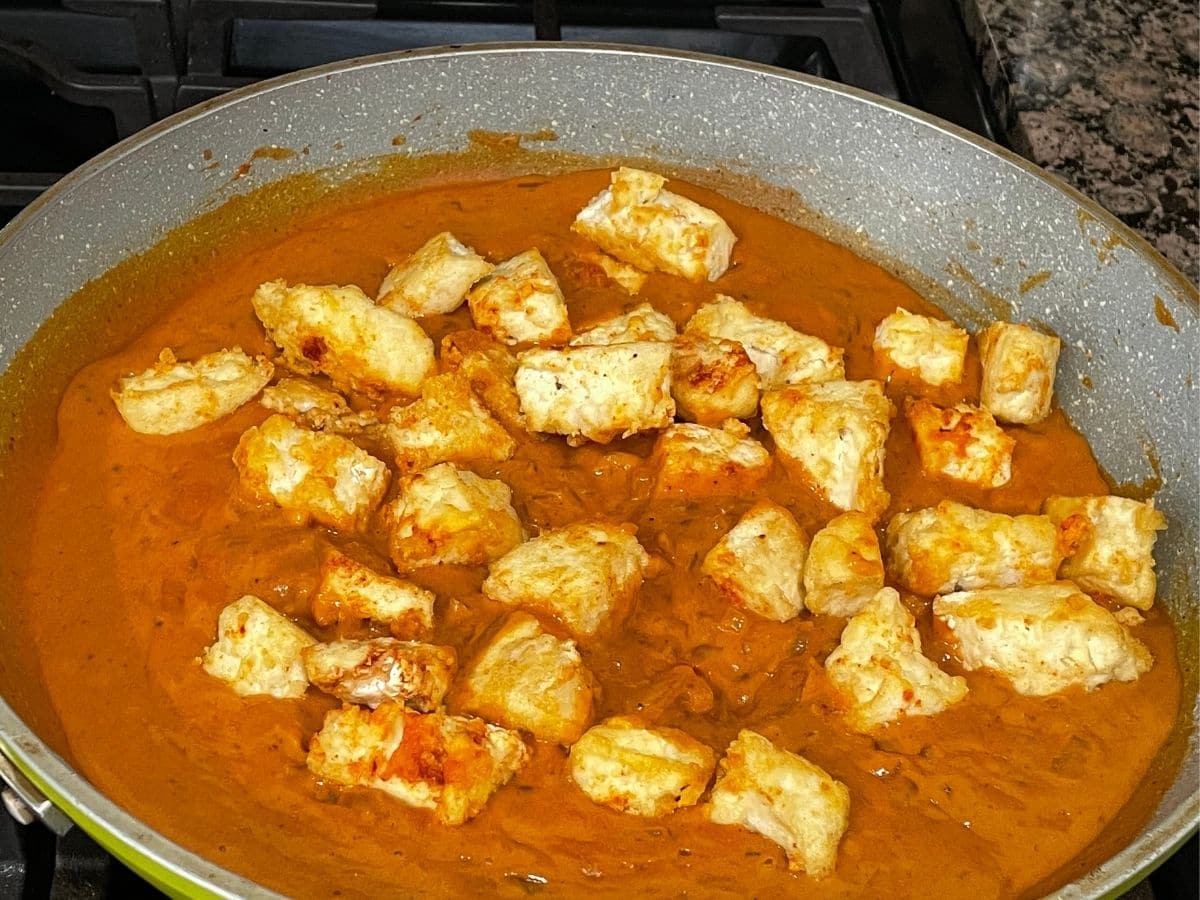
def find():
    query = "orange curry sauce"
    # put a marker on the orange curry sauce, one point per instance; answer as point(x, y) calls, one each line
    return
point(139, 541)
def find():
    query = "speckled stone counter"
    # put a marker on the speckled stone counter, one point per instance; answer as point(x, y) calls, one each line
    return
point(1104, 95)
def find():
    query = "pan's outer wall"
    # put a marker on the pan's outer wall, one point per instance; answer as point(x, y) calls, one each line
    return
point(1006, 240)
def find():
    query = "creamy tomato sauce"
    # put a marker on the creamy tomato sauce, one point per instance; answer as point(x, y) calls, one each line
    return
point(138, 542)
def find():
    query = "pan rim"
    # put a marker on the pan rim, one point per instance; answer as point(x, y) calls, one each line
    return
point(205, 108)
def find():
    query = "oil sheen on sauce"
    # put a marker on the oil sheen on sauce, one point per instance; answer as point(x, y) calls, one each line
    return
point(140, 541)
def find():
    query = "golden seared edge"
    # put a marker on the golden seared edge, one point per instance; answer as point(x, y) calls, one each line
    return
point(783, 797)
point(448, 764)
point(258, 651)
point(632, 767)
point(879, 669)
point(583, 574)
point(636, 220)
point(173, 396)
point(529, 679)
point(757, 565)
point(1043, 638)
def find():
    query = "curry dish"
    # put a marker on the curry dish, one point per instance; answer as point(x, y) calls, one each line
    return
point(477, 597)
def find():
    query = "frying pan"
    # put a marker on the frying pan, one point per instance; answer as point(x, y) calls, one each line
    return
point(988, 234)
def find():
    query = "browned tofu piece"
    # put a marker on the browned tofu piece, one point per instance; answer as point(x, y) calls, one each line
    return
point(642, 323)
point(340, 332)
point(447, 424)
point(1116, 554)
point(490, 367)
point(448, 764)
point(952, 546)
point(596, 393)
point(322, 477)
point(526, 678)
point(759, 563)
point(697, 461)
point(451, 516)
point(1043, 638)
point(382, 669)
point(258, 651)
point(1018, 372)
point(628, 277)
point(933, 350)
point(352, 592)
point(433, 279)
point(844, 569)
point(782, 355)
point(520, 302)
point(173, 396)
point(627, 765)
point(961, 442)
point(783, 797)
point(314, 407)
point(878, 667)
point(833, 436)
point(580, 574)
point(637, 221)
point(713, 380)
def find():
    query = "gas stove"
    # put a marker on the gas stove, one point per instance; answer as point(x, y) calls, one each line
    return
point(78, 75)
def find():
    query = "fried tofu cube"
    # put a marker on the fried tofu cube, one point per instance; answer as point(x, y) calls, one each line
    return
point(642, 323)
point(1116, 555)
point(783, 797)
point(844, 569)
point(781, 354)
point(451, 516)
point(490, 367)
point(447, 424)
point(833, 436)
point(526, 678)
point(173, 396)
point(955, 547)
point(879, 669)
point(933, 350)
point(581, 574)
point(1044, 638)
point(382, 669)
point(352, 592)
point(713, 380)
point(961, 442)
point(698, 461)
point(758, 564)
point(340, 332)
point(596, 393)
point(258, 651)
point(434, 279)
point(638, 222)
point(631, 767)
point(448, 764)
point(1018, 372)
point(631, 278)
point(323, 477)
point(520, 302)
point(316, 408)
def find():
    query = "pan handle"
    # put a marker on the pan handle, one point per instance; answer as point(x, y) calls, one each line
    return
point(25, 802)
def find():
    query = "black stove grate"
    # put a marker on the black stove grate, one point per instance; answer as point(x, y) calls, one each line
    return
point(77, 75)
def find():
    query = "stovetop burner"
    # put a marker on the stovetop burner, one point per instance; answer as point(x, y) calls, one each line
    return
point(78, 75)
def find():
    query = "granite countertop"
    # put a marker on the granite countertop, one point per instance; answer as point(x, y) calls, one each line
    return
point(1104, 95)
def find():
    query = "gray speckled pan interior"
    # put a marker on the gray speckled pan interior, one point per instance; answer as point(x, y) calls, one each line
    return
point(987, 227)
